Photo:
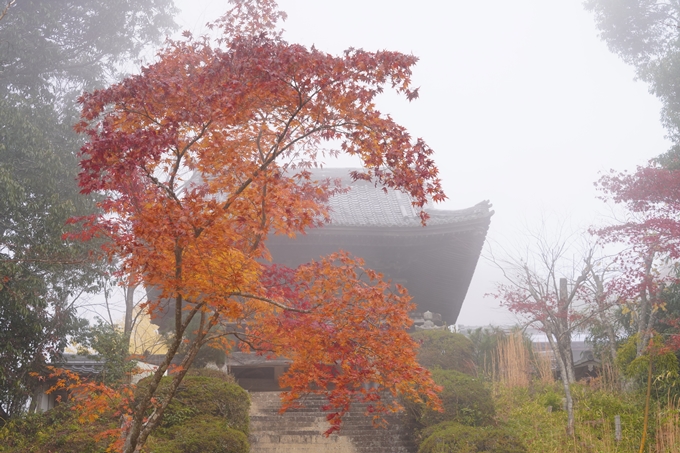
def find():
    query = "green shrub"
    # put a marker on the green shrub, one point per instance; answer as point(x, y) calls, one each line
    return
point(212, 373)
point(56, 430)
point(465, 400)
point(209, 414)
point(204, 392)
point(597, 409)
point(204, 434)
point(446, 350)
point(452, 437)
point(665, 366)
point(524, 414)
point(551, 397)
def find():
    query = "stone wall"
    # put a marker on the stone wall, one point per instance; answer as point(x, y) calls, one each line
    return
point(301, 430)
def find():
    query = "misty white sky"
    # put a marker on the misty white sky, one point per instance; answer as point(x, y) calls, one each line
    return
point(521, 101)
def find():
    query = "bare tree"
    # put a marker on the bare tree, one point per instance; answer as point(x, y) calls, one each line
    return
point(546, 287)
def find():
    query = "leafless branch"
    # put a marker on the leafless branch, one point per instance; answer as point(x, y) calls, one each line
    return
point(4, 11)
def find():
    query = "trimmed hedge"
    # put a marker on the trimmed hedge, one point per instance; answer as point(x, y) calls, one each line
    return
point(203, 434)
point(203, 394)
point(446, 350)
point(452, 437)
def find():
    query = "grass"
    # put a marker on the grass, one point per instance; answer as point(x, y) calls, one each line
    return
point(529, 402)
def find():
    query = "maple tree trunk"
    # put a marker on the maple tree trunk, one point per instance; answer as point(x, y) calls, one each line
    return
point(157, 417)
point(645, 313)
point(564, 376)
point(139, 430)
point(133, 435)
point(570, 407)
point(567, 395)
point(564, 351)
point(563, 335)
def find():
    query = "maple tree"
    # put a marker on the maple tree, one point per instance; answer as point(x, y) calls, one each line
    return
point(651, 234)
point(203, 155)
point(549, 291)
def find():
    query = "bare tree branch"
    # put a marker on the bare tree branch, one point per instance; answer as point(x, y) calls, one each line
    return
point(4, 11)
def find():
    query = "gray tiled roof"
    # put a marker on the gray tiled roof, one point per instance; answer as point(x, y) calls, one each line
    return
point(82, 365)
point(366, 205)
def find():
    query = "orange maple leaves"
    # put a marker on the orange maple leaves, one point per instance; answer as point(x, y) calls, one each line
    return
point(91, 400)
point(203, 155)
point(348, 341)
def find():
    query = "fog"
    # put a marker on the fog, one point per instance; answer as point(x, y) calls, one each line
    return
point(521, 101)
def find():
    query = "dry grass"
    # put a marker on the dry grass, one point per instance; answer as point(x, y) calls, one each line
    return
point(513, 364)
point(668, 428)
point(543, 363)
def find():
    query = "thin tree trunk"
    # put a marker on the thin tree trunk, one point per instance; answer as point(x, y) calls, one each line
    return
point(645, 314)
point(129, 306)
point(563, 335)
point(564, 345)
point(647, 398)
point(132, 437)
point(612, 342)
point(565, 383)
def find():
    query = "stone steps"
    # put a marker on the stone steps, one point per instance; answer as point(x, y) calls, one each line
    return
point(301, 430)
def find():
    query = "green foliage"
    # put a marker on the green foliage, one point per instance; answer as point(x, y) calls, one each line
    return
point(465, 400)
point(664, 366)
point(485, 346)
point(551, 398)
point(111, 346)
point(452, 437)
point(524, 413)
point(209, 415)
point(644, 34)
point(49, 52)
point(446, 350)
point(621, 322)
point(61, 48)
point(56, 430)
point(208, 392)
point(599, 405)
point(626, 354)
point(202, 434)
point(40, 273)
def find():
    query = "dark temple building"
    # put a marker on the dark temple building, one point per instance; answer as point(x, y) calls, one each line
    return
point(435, 263)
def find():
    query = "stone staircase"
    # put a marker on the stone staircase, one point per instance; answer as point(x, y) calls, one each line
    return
point(301, 430)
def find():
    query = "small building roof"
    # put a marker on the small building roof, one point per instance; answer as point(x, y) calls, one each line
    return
point(82, 365)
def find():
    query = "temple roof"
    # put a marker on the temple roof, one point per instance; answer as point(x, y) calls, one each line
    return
point(368, 205)
point(434, 262)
